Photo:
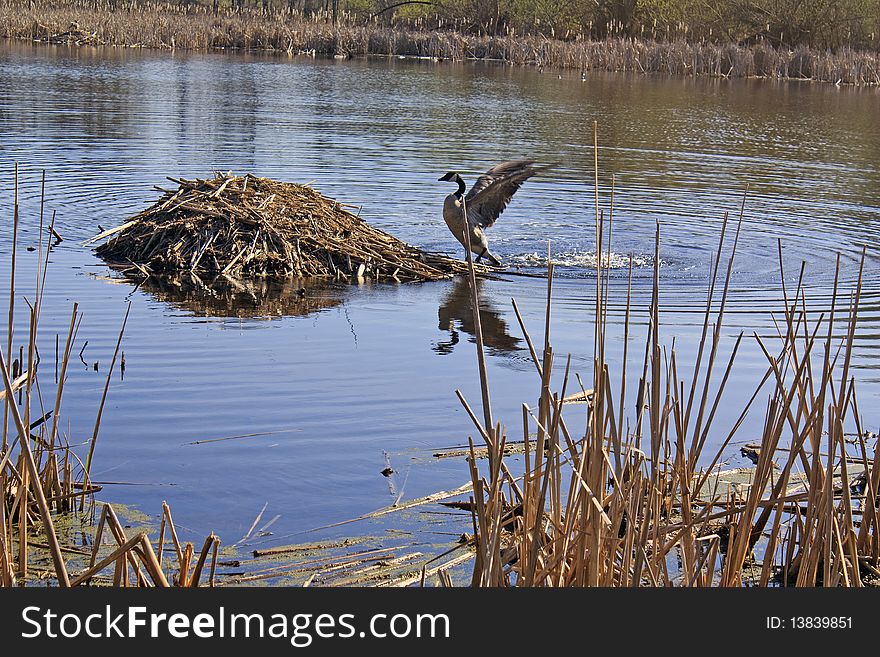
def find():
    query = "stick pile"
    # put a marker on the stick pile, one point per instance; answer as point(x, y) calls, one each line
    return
point(244, 226)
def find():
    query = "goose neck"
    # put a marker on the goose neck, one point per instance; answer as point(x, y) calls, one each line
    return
point(461, 186)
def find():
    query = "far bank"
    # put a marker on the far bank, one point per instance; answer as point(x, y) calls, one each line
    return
point(197, 27)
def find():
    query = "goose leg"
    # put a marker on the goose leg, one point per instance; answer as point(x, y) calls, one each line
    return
point(495, 261)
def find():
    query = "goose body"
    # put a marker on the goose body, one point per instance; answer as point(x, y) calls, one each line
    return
point(484, 203)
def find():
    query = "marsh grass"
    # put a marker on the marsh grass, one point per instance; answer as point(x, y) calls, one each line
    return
point(637, 499)
point(43, 480)
point(197, 27)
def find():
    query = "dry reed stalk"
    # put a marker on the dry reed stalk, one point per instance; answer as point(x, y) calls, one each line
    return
point(118, 531)
point(11, 318)
point(7, 573)
point(71, 336)
point(214, 552)
point(166, 516)
point(409, 580)
point(116, 556)
point(23, 516)
point(200, 564)
point(33, 473)
point(104, 393)
point(38, 466)
point(151, 563)
point(16, 384)
point(183, 572)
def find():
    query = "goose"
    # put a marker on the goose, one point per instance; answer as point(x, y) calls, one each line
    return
point(485, 201)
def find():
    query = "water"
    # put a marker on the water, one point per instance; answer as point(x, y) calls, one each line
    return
point(313, 393)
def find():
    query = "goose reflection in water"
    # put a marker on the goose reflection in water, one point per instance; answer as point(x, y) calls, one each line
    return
point(455, 315)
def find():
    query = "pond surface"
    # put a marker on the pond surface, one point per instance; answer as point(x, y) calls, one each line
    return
point(314, 396)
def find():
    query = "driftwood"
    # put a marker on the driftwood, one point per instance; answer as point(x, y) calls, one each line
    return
point(244, 226)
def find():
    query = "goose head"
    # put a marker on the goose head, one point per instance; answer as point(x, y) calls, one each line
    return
point(452, 176)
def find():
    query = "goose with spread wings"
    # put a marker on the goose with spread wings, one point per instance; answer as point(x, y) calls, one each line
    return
point(484, 202)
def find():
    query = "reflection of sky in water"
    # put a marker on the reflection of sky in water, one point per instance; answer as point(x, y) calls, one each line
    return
point(356, 371)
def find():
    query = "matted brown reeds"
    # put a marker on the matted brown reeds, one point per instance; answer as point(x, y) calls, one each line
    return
point(246, 226)
point(637, 500)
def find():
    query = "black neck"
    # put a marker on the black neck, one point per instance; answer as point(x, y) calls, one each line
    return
point(461, 186)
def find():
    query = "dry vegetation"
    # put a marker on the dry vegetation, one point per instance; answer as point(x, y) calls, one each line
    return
point(245, 227)
point(637, 501)
point(643, 49)
point(44, 483)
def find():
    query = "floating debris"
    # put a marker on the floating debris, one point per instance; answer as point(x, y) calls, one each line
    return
point(245, 226)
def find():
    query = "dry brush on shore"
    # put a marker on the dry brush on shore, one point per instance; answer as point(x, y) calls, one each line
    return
point(196, 27)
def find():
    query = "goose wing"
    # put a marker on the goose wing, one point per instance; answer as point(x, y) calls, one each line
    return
point(493, 190)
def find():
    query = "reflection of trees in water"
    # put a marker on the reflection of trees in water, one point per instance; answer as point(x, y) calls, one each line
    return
point(455, 310)
point(229, 297)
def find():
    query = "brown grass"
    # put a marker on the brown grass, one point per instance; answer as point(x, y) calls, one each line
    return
point(43, 482)
point(194, 27)
point(638, 501)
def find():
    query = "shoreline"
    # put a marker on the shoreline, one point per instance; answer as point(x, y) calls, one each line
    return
point(293, 35)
